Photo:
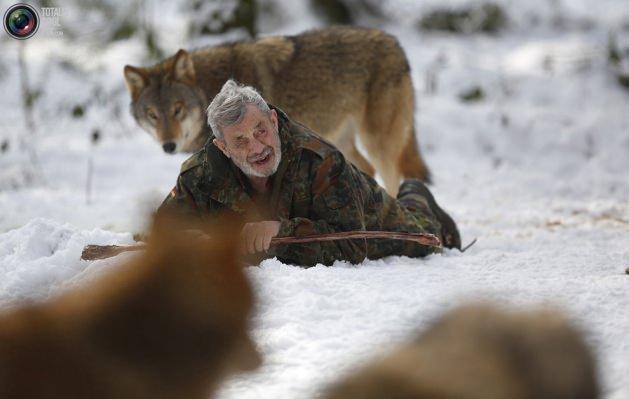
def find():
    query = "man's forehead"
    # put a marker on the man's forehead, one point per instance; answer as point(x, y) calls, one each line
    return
point(252, 119)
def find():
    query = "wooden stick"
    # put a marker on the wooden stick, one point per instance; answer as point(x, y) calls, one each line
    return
point(93, 252)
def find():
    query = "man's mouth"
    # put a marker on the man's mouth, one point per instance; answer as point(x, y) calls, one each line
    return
point(263, 158)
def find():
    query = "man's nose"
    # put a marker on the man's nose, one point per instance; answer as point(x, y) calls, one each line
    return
point(256, 146)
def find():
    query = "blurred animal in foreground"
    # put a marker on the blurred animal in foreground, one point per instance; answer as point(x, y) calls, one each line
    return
point(478, 351)
point(343, 83)
point(171, 323)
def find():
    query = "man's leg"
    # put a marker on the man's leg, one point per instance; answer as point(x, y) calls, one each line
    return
point(415, 196)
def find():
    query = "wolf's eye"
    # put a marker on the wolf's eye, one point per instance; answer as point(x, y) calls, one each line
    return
point(151, 114)
point(178, 109)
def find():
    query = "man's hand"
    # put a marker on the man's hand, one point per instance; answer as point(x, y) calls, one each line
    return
point(257, 236)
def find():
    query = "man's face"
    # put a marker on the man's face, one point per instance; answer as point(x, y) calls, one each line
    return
point(254, 143)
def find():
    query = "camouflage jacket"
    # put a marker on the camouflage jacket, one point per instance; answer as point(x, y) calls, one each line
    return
point(315, 190)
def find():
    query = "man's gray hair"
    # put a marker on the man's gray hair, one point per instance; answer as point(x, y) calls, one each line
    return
point(230, 105)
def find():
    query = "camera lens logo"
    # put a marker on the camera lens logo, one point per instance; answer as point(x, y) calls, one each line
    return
point(21, 21)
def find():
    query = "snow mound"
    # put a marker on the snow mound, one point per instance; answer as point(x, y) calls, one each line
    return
point(43, 256)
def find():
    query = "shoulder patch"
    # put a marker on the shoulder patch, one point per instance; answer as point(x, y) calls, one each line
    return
point(308, 140)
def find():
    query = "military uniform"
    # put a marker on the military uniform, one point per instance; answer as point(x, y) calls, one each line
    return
point(315, 190)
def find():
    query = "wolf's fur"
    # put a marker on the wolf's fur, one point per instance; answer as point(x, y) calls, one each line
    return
point(340, 82)
point(171, 323)
point(479, 352)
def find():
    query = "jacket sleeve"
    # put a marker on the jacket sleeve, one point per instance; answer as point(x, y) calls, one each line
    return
point(337, 206)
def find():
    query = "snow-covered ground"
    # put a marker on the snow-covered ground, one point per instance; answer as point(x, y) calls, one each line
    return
point(538, 171)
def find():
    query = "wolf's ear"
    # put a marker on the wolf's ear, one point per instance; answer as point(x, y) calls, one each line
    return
point(183, 68)
point(136, 80)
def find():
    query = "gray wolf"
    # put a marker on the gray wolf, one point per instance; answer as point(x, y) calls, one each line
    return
point(171, 323)
point(341, 82)
point(480, 351)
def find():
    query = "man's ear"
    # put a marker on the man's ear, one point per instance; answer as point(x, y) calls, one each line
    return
point(136, 80)
point(273, 115)
point(220, 143)
point(183, 68)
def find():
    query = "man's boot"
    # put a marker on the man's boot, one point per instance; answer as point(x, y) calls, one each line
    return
point(449, 233)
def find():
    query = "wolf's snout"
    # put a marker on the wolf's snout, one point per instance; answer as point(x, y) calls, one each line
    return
point(169, 147)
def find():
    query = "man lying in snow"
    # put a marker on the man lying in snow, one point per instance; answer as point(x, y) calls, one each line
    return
point(281, 179)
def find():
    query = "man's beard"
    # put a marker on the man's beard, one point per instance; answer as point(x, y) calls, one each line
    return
point(249, 170)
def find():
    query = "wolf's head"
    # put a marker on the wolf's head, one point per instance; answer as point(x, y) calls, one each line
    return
point(181, 309)
point(482, 351)
point(173, 322)
point(167, 103)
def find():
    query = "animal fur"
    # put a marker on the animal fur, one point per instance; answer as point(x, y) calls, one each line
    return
point(341, 82)
point(171, 323)
point(480, 352)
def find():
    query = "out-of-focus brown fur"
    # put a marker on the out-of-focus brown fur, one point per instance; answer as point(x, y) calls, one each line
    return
point(341, 82)
point(480, 352)
point(171, 323)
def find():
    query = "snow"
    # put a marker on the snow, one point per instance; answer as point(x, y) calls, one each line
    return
point(537, 171)
point(43, 257)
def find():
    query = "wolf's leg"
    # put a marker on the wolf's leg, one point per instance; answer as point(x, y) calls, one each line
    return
point(383, 134)
point(359, 160)
point(345, 140)
point(389, 133)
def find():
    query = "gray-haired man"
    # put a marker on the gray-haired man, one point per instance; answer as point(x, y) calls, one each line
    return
point(280, 179)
